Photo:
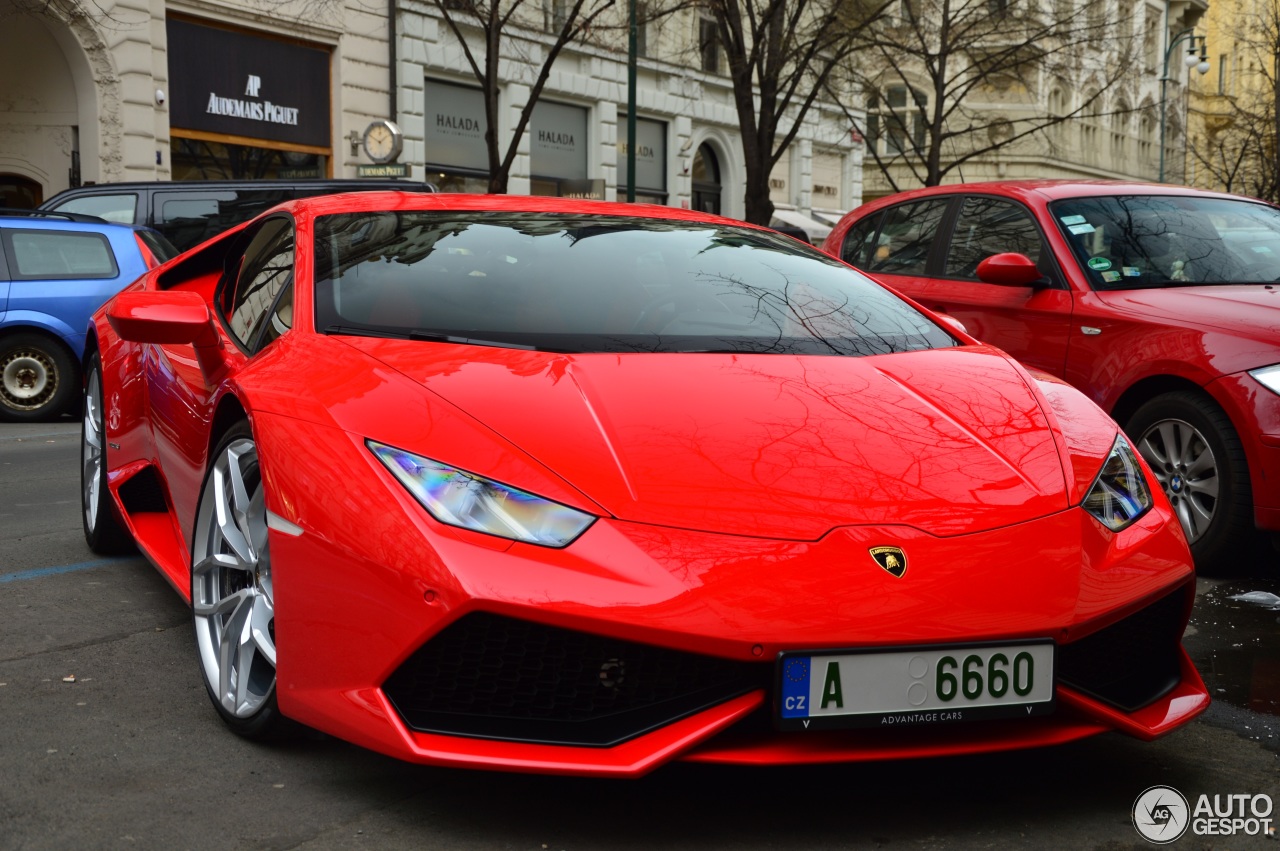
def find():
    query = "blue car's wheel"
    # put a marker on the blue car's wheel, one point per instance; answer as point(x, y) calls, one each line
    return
point(37, 378)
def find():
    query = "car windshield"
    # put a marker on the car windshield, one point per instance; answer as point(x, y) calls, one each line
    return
point(584, 283)
point(1128, 242)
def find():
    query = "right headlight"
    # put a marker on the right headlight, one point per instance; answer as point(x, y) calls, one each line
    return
point(1120, 494)
point(1268, 377)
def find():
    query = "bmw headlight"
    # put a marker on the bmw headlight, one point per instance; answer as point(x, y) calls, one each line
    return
point(1268, 377)
point(458, 498)
point(1120, 494)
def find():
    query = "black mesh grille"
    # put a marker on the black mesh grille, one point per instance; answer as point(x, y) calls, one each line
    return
point(497, 677)
point(1132, 662)
point(143, 493)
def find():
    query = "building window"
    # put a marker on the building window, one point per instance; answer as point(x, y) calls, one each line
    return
point(999, 8)
point(709, 45)
point(557, 12)
point(642, 29)
point(896, 119)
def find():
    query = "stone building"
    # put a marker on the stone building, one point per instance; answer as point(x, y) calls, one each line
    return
point(201, 89)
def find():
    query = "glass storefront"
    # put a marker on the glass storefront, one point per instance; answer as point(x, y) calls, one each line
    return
point(246, 106)
point(651, 160)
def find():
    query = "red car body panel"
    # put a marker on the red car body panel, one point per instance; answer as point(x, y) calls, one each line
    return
point(720, 483)
point(1207, 336)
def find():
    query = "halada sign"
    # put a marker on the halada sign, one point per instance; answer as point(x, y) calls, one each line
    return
point(236, 84)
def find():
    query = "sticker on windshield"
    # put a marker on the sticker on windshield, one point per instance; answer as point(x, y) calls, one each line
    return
point(1073, 220)
point(1099, 264)
point(1261, 249)
point(1110, 277)
point(1131, 271)
point(1079, 229)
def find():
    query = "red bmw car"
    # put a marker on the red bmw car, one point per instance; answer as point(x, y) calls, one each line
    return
point(1160, 303)
point(542, 485)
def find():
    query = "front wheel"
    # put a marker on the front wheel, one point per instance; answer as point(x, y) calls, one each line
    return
point(1196, 455)
point(231, 591)
point(37, 378)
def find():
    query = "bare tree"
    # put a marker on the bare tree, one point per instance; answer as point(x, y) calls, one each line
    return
point(506, 23)
point(1237, 145)
point(948, 82)
point(781, 56)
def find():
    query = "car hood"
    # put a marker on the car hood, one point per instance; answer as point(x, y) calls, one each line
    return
point(948, 441)
point(1245, 310)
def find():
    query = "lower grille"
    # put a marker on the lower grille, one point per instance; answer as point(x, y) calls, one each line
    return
point(1132, 662)
point(495, 677)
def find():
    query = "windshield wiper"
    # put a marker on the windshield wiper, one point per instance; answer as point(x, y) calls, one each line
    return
point(366, 332)
point(436, 337)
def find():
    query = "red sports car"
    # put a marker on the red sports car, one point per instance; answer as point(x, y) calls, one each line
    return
point(545, 485)
point(1160, 303)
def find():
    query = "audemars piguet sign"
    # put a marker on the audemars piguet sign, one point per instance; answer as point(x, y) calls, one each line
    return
point(242, 85)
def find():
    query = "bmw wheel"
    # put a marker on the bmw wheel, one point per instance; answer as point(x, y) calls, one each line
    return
point(231, 591)
point(37, 378)
point(103, 530)
point(1196, 455)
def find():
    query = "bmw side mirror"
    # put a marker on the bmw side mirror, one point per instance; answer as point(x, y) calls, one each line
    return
point(1010, 270)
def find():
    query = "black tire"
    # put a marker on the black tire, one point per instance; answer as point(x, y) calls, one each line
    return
point(104, 531)
point(246, 697)
point(1217, 515)
point(38, 378)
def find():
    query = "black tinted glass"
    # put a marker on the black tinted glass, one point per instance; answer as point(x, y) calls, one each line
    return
point(988, 226)
point(583, 283)
point(906, 237)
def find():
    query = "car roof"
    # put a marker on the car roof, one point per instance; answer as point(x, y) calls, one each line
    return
point(42, 219)
point(322, 205)
point(1053, 190)
point(272, 183)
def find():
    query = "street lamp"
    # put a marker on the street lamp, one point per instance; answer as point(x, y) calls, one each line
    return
point(1198, 59)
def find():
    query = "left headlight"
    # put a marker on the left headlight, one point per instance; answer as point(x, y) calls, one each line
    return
point(1268, 377)
point(1120, 494)
point(458, 498)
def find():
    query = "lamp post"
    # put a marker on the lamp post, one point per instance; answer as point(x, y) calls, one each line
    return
point(1198, 59)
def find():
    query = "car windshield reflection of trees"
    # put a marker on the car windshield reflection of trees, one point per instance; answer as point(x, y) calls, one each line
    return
point(580, 283)
point(1151, 241)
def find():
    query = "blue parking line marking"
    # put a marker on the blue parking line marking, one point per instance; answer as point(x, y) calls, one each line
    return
point(53, 571)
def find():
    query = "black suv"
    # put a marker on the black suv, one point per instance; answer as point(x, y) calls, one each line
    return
point(189, 212)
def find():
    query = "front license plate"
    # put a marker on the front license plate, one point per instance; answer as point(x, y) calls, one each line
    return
point(915, 687)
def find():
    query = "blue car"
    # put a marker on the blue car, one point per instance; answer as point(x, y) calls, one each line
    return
point(55, 270)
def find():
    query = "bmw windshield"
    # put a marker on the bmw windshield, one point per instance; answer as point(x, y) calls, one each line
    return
point(1127, 242)
point(589, 283)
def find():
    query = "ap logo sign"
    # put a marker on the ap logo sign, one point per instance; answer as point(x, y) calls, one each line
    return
point(1161, 814)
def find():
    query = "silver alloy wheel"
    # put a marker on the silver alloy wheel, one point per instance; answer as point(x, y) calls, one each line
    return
point(91, 449)
point(1184, 464)
point(231, 592)
point(28, 378)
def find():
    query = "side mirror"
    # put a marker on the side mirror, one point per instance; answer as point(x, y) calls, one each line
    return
point(161, 318)
point(1010, 270)
point(953, 323)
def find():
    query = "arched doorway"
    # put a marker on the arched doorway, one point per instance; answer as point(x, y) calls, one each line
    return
point(20, 192)
point(706, 180)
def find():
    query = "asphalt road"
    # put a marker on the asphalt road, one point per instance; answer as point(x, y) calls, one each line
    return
point(131, 754)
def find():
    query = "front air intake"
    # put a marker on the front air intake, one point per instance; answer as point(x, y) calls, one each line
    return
point(500, 678)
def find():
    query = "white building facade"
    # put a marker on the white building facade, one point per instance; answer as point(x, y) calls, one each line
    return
point(189, 89)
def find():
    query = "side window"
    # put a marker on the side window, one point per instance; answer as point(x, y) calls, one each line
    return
point(988, 226)
point(857, 241)
point(902, 248)
point(56, 254)
point(189, 218)
point(266, 271)
point(122, 208)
